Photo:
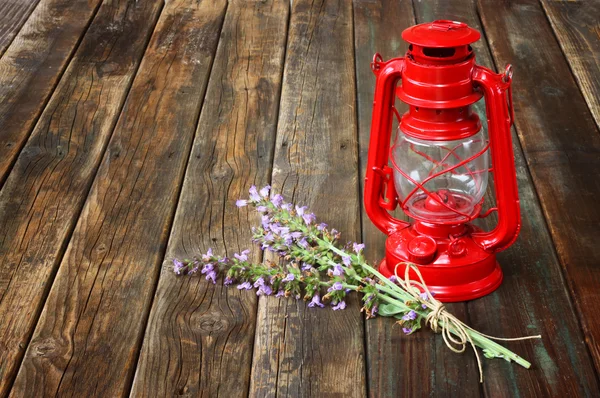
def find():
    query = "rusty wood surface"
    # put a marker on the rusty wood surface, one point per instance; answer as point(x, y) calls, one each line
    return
point(576, 25)
point(44, 194)
point(206, 330)
point(87, 340)
point(13, 14)
point(113, 161)
point(32, 66)
point(301, 351)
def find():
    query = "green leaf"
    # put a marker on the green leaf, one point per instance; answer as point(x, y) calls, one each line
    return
point(488, 354)
point(386, 309)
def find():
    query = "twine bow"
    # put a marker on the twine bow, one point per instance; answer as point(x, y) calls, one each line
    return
point(453, 330)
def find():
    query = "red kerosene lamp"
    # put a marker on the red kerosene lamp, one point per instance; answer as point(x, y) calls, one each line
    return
point(437, 168)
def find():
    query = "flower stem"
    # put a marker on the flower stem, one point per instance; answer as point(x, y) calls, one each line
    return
point(394, 290)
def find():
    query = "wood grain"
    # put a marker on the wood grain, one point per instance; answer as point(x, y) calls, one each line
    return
point(206, 330)
point(301, 351)
point(90, 331)
point(32, 66)
point(13, 14)
point(576, 25)
point(533, 297)
point(396, 364)
point(42, 198)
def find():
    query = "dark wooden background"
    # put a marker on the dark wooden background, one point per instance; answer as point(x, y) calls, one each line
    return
point(128, 129)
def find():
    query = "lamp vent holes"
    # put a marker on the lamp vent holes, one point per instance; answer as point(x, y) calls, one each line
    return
point(438, 52)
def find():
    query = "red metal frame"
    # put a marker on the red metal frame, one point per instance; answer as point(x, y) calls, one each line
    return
point(440, 81)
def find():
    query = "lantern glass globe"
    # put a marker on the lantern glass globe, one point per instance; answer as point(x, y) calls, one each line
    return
point(440, 180)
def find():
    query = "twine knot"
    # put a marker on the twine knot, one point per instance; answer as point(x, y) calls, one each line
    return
point(453, 330)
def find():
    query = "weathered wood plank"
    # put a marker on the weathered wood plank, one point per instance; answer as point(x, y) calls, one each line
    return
point(533, 297)
point(89, 334)
point(13, 14)
point(31, 67)
point(577, 28)
point(45, 192)
point(397, 364)
point(301, 351)
point(206, 330)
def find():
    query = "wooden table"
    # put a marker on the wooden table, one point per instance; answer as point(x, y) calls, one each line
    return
point(128, 129)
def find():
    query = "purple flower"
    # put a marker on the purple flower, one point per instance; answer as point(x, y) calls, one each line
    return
point(334, 232)
point(303, 242)
point(407, 330)
point(264, 192)
point(374, 310)
point(261, 209)
point(212, 276)
point(338, 270)
point(282, 231)
point(321, 226)
point(290, 277)
point(411, 316)
point(287, 206)
point(206, 257)
point(207, 268)
point(347, 260)
point(296, 235)
point(309, 218)
point(358, 247)
point(264, 290)
point(424, 296)
point(241, 203)
point(177, 266)
point(393, 279)
point(316, 301)
point(254, 196)
point(195, 269)
point(243, 256)
point(265, 221)
point(277, 200)
point(339, 306)
point(287, 239)
point(275, 228)
point(336, 286)
point(259, 282)
point(306, 267)
point(300, 210)
point(228, 281)
point(280, 293)
point(245, 286)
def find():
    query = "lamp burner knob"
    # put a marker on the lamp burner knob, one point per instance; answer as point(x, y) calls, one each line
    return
point(442, 197)
point(422, 249)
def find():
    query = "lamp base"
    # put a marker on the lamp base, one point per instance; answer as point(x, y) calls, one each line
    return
point(455, 269)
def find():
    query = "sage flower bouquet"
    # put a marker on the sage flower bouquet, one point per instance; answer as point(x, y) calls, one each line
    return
point(313, 265)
